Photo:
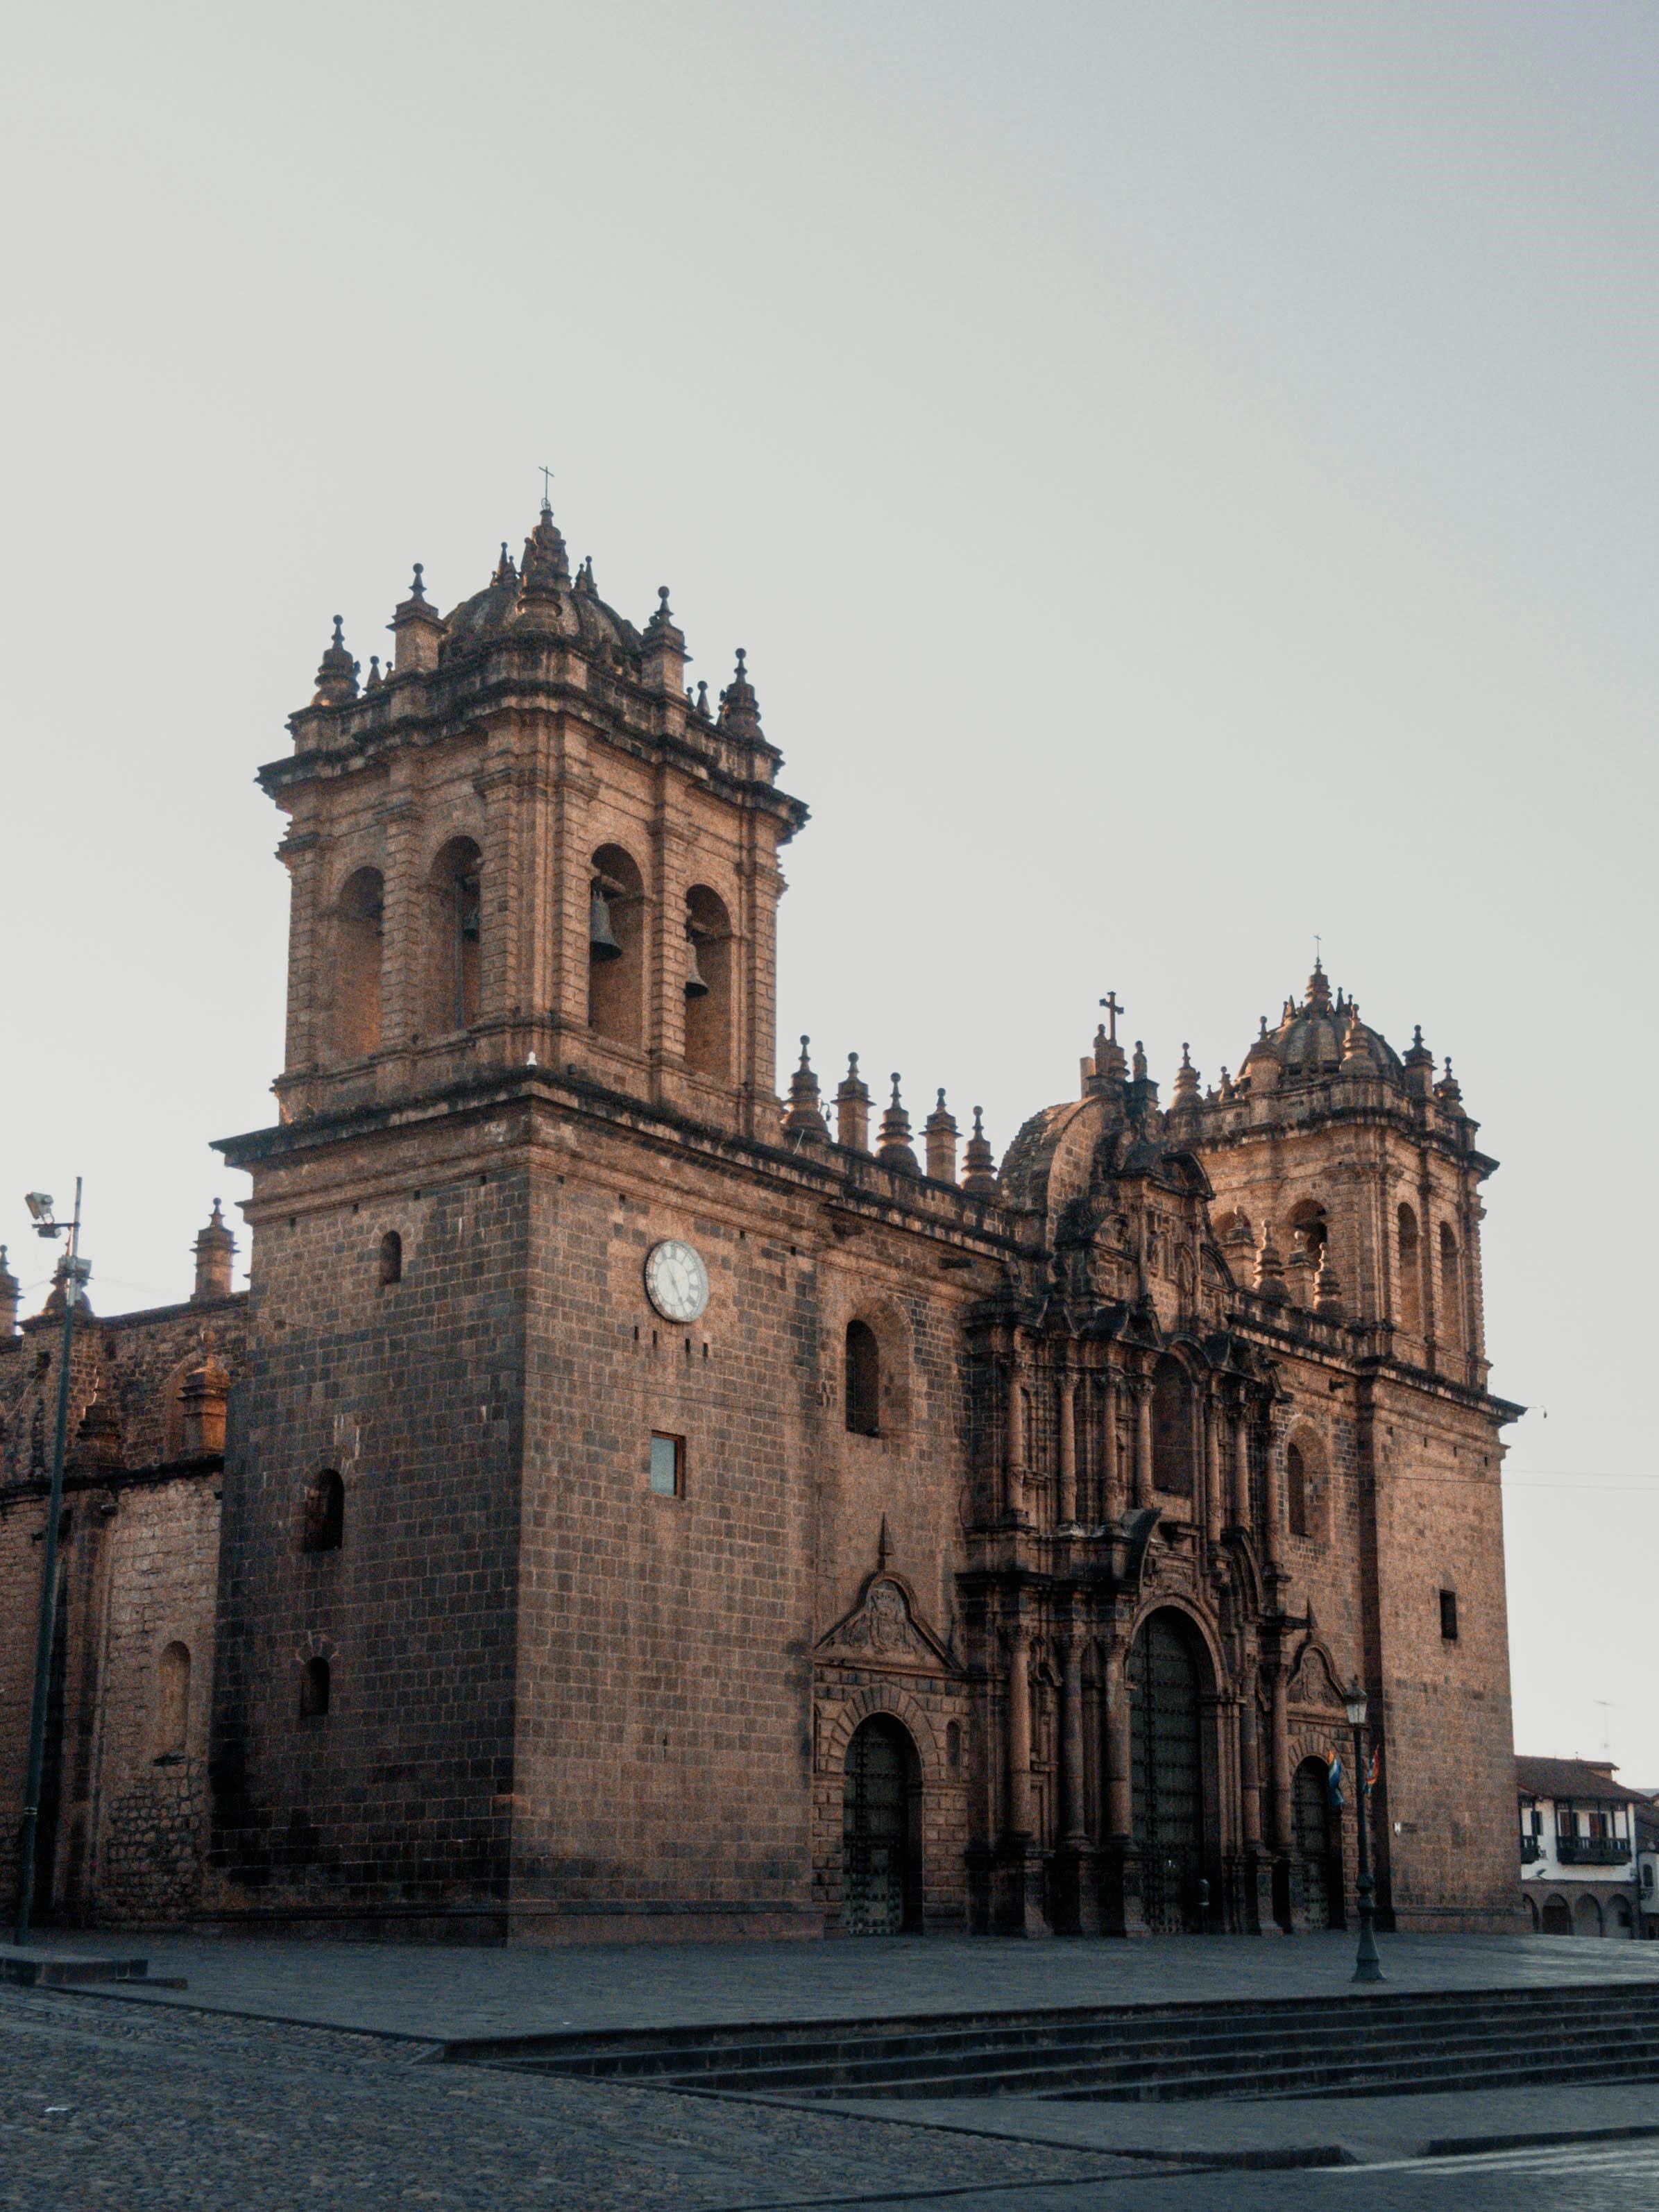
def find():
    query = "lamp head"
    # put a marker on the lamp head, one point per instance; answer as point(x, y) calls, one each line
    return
point(40, 1205)
point(1359, 1705)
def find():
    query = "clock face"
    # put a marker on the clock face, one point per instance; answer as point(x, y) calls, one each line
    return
point(676, 1280)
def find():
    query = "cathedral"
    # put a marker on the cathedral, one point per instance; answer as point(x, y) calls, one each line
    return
point(628, 1503)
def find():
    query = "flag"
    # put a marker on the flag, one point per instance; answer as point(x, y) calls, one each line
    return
point(1374, 1768)
point(1333, 1776)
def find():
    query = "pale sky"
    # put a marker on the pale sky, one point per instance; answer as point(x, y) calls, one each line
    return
point(1183, 476)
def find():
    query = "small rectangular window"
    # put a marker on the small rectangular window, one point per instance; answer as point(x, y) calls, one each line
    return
point(668, 1466)
point(1448, 1615)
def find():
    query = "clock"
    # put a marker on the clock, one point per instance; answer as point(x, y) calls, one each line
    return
point(676, 1280)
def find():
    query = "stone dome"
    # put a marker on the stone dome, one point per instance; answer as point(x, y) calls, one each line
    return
point(1324, 1035)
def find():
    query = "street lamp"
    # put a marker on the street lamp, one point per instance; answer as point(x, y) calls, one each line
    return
point(75, 1272)
point(1368, 1967)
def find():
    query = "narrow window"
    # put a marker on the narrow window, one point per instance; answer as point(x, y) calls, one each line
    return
point(1449, 1321)
point(863, 1380)
point(359, 925)
point(1411, 1281)
point(953, 1745)
point(172, 1700)
point(1172, 1429)
point(668, 1466)
point(1296, 1490)
point(314, 1689)
point(325, 1514)
point(457, 907)
point(1448, 1615)
point(391, 1257)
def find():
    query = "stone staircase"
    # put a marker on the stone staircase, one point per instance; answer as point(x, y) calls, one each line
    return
point(1379, 2043)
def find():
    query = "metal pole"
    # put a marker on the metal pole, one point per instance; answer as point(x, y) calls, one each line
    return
point(1368, 1966)
point(48, 1595)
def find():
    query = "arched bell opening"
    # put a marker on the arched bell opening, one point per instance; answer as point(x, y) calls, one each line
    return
point(616, 946)
point(1316, 1829)
point(881, 1831)
point(1449, 1317)
point(359, 935)
point(1173, 1773)
point(707, 984)
point(455, 966)
point(1557, 1917)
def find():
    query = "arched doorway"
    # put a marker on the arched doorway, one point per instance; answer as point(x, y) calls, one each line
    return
point(1557, 1917)
point(1318, 1844)
point(1587, 1917)
point(1166, 1771)
point(881, 1832)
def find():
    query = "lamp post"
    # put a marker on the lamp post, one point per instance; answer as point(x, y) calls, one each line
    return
point(1368, 1967)
point(75, 1272)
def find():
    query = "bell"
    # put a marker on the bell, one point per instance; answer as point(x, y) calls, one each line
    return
point(694, 986)
point(601, 945)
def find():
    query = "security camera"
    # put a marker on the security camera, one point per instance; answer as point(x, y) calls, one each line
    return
point(40, 1205)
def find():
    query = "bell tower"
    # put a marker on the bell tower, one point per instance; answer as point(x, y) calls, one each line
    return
point(525, 837)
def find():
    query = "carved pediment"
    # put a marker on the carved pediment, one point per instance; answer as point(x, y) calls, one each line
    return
point(885, 1627)
point(1313, 1682)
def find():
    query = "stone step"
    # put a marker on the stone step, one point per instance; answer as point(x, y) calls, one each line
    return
point(37, 1967)
point(1377, 2040)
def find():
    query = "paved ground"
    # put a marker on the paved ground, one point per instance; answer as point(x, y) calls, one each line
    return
point(443, 1992)
point(201, 2101)
point(132, 2107)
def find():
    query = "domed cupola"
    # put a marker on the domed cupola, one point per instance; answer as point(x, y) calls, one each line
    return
point(1319, 1039)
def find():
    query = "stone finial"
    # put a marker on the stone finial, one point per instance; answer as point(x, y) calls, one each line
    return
point(1319, 988)
point(1138, 1065)
point(804, 1124)
point(980, 1161)
point(1187, 1096)
point(98, 1442)
point(703, 701)
point(940, 1130)
point(215, 1247)
point(544, 571)
point(373, 682)
point(1418, 1063)
point(417, 630)
point(1450, 1091)
point(202, 1398)
point(895, 1151)
point(739, 707)
point(664, 655)
point(1299, 1271)
point(852, 1109)
point(11, 1297)
point(337, 672)
point(1328, 1291)
point(1270, 1269)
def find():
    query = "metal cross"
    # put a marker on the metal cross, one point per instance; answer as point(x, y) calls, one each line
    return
point(1113, 1010)
point(547, 482)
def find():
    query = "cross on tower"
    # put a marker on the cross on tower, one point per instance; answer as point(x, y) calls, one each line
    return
point(1113, 1010)
point(547, 488)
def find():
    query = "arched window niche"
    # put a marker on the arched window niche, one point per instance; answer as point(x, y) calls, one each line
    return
point(1411, 1276)
point(324, 1525)
point(616, 946)
point(359, 932)
point(315, 1687)
point(1449, 1322)
point(863, 1361)
point(707, 984)
point(457, 951)
point(390, 1262)
point(173, 1701)
point(1172, 1428)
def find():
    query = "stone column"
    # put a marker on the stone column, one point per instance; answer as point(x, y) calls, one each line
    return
point(1280, 1753)
point(1118, 1884)
point(1014, 1498)
point(1065, 1414)
point(1140, 1385)
point(1212, 1508)
point(1242, 1463)
point(1017, 1735)
point(1071, 1738)
point(1111, 1471)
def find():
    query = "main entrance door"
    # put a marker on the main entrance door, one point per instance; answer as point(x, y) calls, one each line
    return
point(881, 1858)
point(1166, 1772)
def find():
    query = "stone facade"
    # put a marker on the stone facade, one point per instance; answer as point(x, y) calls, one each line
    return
point(991, 1548)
